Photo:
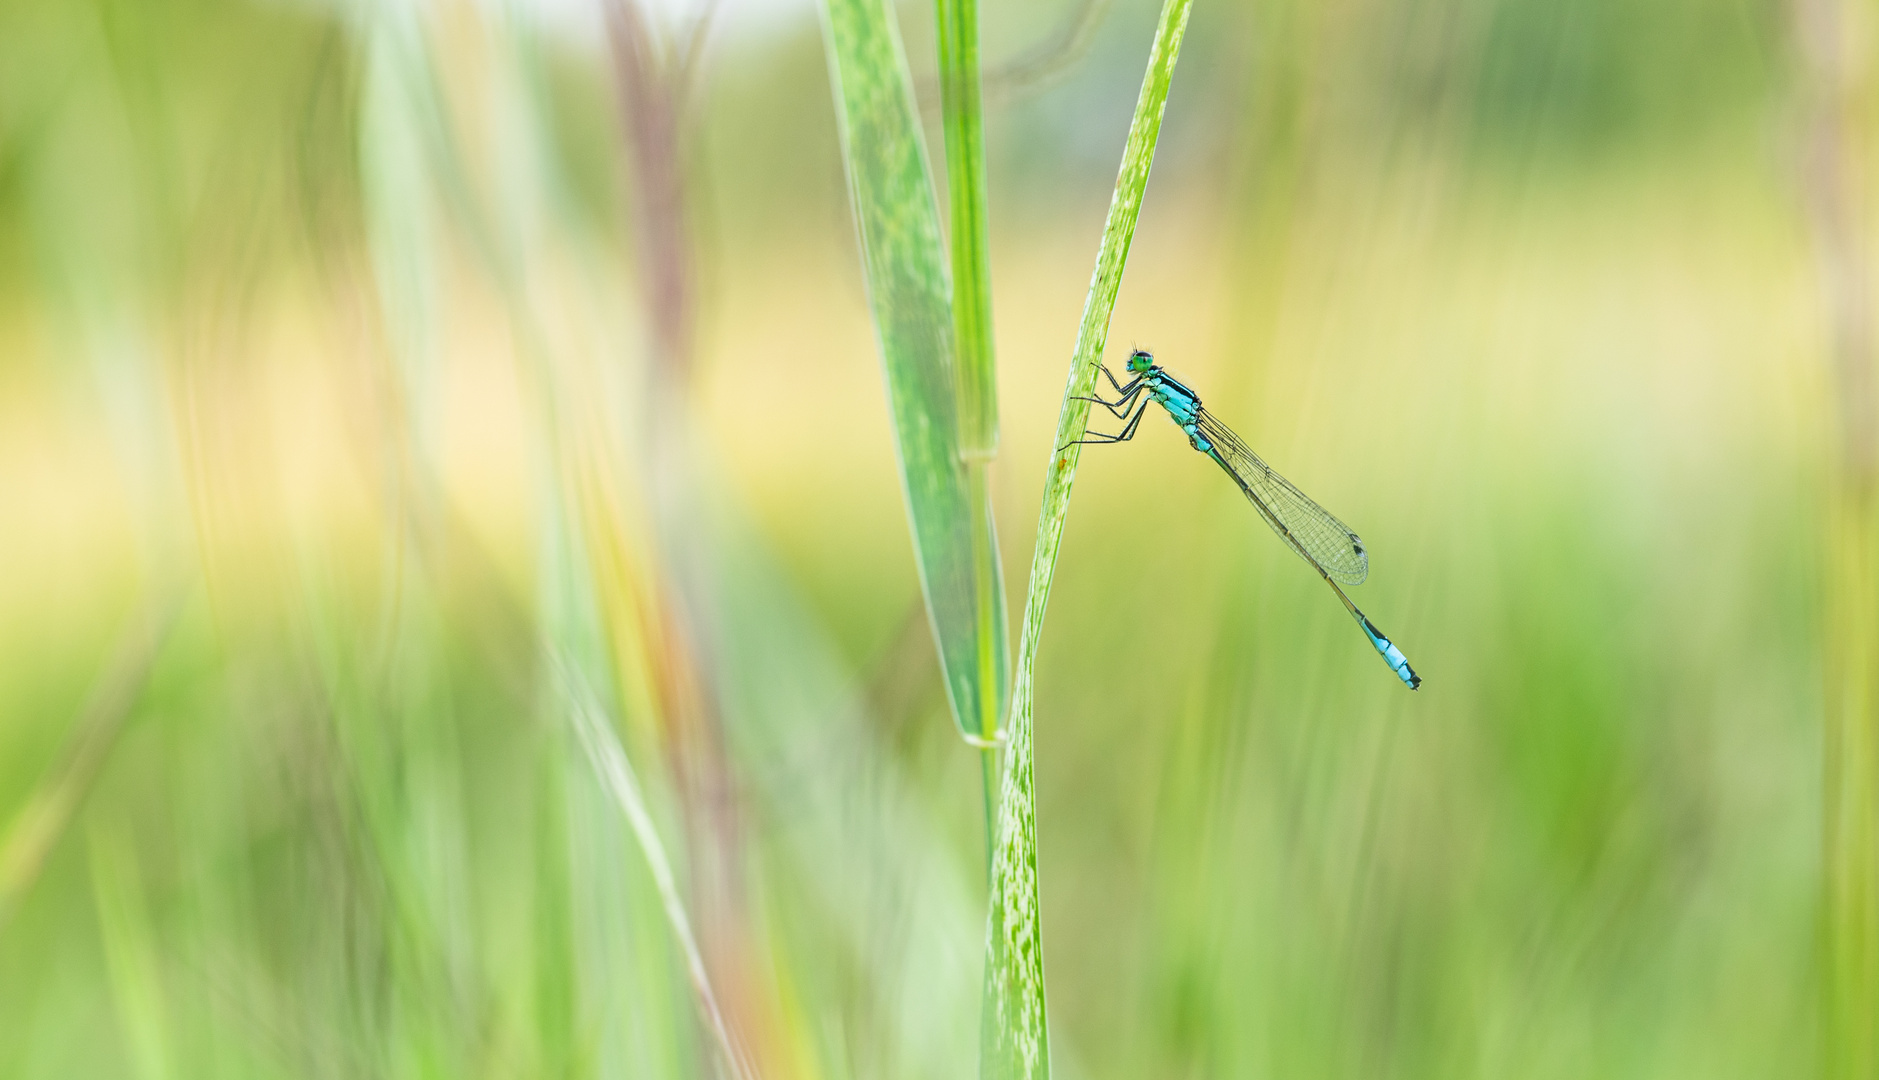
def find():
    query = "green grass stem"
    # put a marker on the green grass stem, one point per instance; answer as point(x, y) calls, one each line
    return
point(37, 827)
point(1850, 825)
point(975, 361)
point(912, 299)
point(615, 773)
point(963, 121)
point(131, 956)
point(1014, 1041)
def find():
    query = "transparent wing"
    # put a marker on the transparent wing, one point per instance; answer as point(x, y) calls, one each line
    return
point(1306, 527)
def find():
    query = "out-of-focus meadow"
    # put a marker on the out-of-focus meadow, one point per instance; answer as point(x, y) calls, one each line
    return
point(371, 400)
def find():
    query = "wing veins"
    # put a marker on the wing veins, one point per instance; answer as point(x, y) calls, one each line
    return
point(1307, 528)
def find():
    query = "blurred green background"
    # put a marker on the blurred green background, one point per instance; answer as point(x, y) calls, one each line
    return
point(335, 405)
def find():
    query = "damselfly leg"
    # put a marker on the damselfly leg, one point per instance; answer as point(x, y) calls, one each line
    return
point(1098, 438)
point(1120, 407)
point(1125, 394)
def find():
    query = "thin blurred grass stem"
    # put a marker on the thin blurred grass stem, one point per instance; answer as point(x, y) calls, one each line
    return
point(131, 953)
point(651, 86)
point(1014, 1042)
point(615, 772)
point(1046, 63)
point(40, 823)
point(1850, 833)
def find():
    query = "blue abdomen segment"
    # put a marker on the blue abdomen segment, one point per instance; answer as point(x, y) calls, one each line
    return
point(1183, 406)
point(1392, 655)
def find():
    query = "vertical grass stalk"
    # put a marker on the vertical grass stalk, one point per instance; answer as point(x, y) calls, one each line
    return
point(1013, 1041)
point(1850, 888)
point(975, 370)
point(610, 764)
point(911, 295)
point(965, 188)
point(36, 828)
point(1850, 826)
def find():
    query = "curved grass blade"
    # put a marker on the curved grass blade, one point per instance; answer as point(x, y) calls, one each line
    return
point(897, 218)
point(1013, 1040)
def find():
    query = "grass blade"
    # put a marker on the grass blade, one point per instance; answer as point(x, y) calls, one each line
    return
point(975, 361)
point(615, 772)
point(38, 825)
point(897, 217)
point(1850, 885)
point(1014, 1042)
point(131, 956)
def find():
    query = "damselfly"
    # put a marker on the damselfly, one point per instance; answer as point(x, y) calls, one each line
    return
point(1326, 543)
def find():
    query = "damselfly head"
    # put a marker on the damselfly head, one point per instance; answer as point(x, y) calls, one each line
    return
point(1140, 361)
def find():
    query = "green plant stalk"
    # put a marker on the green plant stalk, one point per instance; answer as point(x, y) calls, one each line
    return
point(1013, 1039)
point(975, 365)
point(911, 295)
point(35, 830)
point(615, 773)
point(988, 580)
point(131, 955)
point(963, 122)
point(1850, 828)
point(1851, 894)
